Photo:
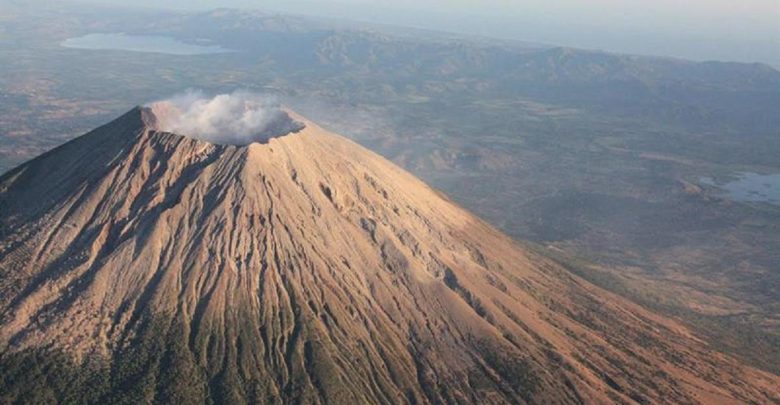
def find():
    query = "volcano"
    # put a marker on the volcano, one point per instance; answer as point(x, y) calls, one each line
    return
point(139, 266)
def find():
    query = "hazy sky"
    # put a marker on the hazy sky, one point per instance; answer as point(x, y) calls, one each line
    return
point(740, 30)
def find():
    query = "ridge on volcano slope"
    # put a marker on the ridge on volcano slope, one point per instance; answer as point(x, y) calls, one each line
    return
point(144, 266)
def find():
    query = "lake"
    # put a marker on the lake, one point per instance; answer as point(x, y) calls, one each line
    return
point(751, 187)
point(141, 43)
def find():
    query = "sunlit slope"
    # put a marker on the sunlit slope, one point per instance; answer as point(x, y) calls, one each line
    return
point(140, 266)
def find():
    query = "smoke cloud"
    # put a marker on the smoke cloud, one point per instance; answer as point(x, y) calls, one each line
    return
point(238, 118)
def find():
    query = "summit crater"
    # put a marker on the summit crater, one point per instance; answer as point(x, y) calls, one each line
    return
point(239, 118)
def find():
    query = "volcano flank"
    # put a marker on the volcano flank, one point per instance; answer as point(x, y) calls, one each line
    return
point(140, 266)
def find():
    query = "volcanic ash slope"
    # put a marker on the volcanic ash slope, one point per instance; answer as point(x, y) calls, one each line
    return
point(142, 266)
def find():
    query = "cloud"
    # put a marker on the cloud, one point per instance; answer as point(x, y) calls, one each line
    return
point(238, 118)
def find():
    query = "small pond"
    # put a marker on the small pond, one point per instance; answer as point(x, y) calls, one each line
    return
point(140, 43)
point(751, 187)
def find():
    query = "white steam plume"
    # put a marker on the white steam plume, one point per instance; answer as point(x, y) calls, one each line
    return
point(238, 118)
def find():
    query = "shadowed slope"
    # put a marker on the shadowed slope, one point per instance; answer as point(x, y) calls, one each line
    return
point(308, 269)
